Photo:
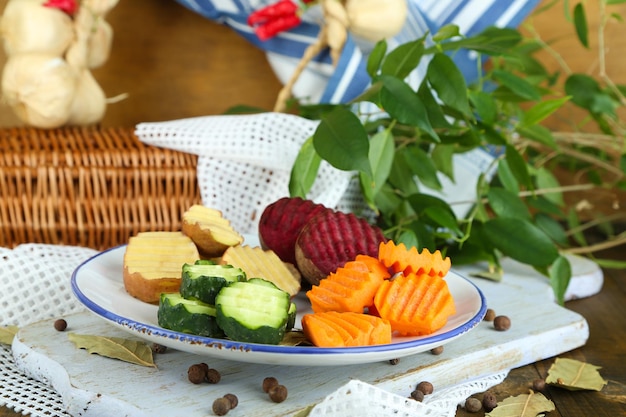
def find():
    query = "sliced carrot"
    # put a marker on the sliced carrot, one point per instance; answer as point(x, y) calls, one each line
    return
point(409, 261)
point(349, 288)
point(415, 305)
point(335, 329)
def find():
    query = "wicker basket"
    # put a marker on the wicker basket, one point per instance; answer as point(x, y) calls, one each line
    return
point(91, 187)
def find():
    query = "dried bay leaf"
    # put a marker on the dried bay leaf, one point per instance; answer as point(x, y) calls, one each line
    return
point(525, 405)
point(295, 338)
point(115, 347)
point(7, 333)
point(575, 375)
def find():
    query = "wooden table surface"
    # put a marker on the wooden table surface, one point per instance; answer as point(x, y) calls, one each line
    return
point(202, 68)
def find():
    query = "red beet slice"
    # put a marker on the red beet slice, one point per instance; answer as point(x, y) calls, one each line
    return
point(281, 223)
point(331, 239)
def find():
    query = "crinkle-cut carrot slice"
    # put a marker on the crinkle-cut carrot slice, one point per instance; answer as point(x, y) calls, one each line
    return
point(409, 261)
point(345, 329)
point(374, 265)
point(349, 288)
point(415, 305)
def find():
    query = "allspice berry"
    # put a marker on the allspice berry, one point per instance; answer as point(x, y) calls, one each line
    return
point(417, 395)
point(490, 314)
point(539, 384)
point(489, 401)
point(213, 376)
point(60, 325)
point(502, 323)
point(268, 383)
point(234, 401)
point(196, 374)
point(157, 348)
point(437, 351)
point(221, 406)
point(278, 393)
point(473, 405)
point(426, 387)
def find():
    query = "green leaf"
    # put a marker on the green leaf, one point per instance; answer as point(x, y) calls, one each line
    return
point(381, 156)
point(435, 113)
point(507, 204)
point(547, 181)
point(7, 333)
point(490, 275)
point(518, 166)
point(560, 274)
point(304, 170)
point(610, 2)
point(423, 167)
point(485, 106)
point(443, 158)
point(341, 140)
point(575, 375)
point(580, 23)
point(506, 177)
point(521, 240)
point(376, 58)
point(126, 350)
point(587, 93)
point(401, 175)
point(402, 103)
point(491, 41)
point(551, 227)
point(443, 218)
point(517, 85)
point(402, 60)
point(537, 133)
point(449, 83)
point(446, 32)
point(541, 111)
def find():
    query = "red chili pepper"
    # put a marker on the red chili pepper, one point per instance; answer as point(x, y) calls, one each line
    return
point(67, 6)
point(281, 8)
point(274, 26)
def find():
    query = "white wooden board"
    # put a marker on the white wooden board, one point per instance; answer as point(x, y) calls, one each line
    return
point(95, 386)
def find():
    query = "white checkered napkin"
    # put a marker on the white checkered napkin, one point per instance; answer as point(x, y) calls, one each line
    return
point(245, 161)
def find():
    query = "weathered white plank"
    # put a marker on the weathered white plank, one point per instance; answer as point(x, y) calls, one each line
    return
point(93, 386)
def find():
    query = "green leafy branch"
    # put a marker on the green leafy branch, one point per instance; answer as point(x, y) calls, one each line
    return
point(402, 142)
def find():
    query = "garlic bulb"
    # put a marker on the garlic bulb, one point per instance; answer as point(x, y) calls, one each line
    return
point(100, 45)
point(40, 88)
point(374, 20)
point(89, 103)
point(28, 27)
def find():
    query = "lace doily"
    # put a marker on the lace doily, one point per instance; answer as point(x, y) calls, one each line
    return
point(35, 282)
point(358, 398)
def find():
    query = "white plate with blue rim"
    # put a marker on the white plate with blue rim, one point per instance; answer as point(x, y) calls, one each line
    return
point(98, 285)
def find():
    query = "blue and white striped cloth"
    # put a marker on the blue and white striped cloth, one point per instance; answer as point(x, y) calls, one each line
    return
point(325, 83)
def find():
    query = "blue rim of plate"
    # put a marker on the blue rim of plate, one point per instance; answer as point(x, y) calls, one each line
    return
point(215, 343)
